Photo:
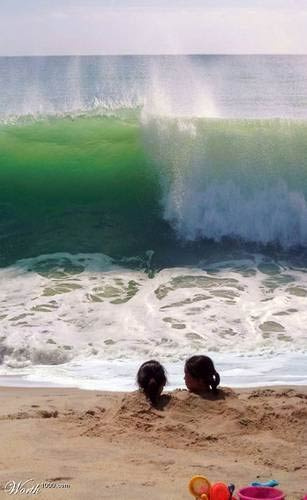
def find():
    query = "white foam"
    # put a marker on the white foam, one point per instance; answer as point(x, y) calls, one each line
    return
point(235, 371)
point(63, 313)
point(227, 178)
point(220, 210)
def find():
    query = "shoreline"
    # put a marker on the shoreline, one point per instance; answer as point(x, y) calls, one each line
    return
point(237, 371)
point(33, 385)
point(113, 445)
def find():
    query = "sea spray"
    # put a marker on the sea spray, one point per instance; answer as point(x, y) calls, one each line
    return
point(243, 179)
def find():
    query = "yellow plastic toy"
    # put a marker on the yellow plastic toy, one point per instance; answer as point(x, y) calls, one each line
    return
point(199, 487)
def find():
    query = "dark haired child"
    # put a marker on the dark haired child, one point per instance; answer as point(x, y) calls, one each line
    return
point(151, 379)
point(200, 375)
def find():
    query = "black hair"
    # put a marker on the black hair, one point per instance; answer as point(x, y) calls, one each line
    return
point(151, 377)
point(202, 368)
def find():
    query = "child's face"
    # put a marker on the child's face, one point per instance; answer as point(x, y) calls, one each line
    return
point(194, 384)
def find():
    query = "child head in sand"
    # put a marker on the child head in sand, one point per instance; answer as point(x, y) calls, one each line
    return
point(200, 375)
point(151, 379)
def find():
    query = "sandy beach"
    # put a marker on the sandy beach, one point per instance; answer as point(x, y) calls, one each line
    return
point(107, 445)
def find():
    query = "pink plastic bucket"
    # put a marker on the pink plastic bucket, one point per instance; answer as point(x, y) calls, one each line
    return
point(263, 492)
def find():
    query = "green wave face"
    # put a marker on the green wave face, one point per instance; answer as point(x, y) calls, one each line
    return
point(123, 184)
point(79, 184)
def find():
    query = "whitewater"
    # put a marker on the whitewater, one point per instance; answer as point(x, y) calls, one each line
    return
point(152, 207)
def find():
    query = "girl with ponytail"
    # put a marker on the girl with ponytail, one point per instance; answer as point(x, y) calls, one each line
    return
point(200, 375)
point(151, 379)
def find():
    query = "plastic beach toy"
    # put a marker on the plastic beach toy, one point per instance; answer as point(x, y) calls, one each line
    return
point(219, 491)
point(200, 486)
point(271, 482)
point(260, 492)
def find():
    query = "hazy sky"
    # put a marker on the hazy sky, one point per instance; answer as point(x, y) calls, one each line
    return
point(150, 27)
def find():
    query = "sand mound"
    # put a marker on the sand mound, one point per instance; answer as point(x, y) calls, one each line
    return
point(272, 421)
point(112, 444)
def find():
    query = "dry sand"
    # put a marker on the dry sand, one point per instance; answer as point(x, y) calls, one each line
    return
point(115, 446)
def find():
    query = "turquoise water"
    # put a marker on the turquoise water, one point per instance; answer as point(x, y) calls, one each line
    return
point(81, 184)
point(118, 185)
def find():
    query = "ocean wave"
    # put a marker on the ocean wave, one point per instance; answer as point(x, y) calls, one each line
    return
point(127, 181)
